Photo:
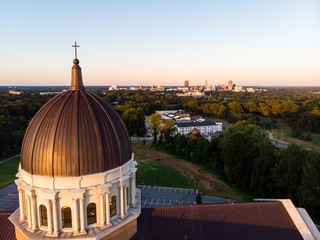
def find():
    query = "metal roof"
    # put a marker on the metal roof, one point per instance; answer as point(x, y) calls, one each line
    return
point(76, 133)
point(6, 227)
point(226, 221)
point(195, 124)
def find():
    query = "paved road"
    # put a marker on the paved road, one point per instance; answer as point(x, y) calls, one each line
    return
point(279, 143)
point(9, 198)
point(12, 188)
point(216, 200)
point(9, 203)
point(140, 139)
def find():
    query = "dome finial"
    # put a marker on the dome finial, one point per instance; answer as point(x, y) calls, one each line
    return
point(75, 49)
point(76, 78)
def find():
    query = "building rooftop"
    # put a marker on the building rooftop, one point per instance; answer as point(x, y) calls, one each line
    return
point(255, 220)
point(259, 220)
point(195, 124)
point(6, 227)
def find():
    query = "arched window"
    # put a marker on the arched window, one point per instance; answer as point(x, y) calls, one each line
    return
point(66, 217)
point(91, 213)
point(44, 219)
point(113, 206)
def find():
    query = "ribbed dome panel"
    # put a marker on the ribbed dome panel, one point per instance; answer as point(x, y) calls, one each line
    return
point(76, 133)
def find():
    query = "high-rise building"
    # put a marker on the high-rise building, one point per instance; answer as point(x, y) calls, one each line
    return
point(186, 84)
point(230, 85)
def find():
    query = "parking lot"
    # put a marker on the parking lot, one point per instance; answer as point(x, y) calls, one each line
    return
point(9, 203)
point(163, 196)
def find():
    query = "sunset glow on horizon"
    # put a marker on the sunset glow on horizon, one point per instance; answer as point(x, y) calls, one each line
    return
point(261, 43)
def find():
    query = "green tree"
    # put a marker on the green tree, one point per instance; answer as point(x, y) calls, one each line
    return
point(199, 199)
point(265, 109)
point(155, 122)
point(239, 148)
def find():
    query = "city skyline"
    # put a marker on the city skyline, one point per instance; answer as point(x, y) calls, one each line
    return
point(269, 43)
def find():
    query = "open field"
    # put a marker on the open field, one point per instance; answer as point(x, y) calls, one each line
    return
point(182, 174)
point(8, 171)
point(283, 133)
point(156, 174)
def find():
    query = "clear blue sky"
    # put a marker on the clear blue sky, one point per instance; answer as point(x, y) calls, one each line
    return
point(265, 42)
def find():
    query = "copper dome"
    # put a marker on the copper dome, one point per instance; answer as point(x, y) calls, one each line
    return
point(76, 133)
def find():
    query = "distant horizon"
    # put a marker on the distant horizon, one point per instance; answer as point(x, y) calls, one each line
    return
point(254, 43)
point(167, 86)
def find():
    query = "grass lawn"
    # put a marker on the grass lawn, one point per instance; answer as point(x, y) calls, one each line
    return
point(315, 138)
point(8, 171)
point(156, 174)
point(161, 169)
point(282, 131)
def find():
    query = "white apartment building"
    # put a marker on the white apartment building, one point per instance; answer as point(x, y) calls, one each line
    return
point(204, 126)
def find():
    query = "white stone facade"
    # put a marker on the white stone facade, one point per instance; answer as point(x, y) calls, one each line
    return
point(203, 129)
point(45, 202)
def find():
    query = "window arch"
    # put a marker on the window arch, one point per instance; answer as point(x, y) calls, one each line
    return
point(113, 206)
point(44, 218)
point(91, 213)
point(66, 217)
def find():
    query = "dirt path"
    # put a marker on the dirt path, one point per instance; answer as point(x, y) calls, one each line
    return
point(205, 181)
point(308, 144)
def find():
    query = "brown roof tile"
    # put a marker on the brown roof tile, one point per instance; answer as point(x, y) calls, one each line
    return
point(6, 227)
point(227, 221)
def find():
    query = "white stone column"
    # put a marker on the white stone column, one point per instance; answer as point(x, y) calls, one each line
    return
point(75, 216)
point(33, 213)
point(55, 217)
point(121, 201)
point(107, 208)
point(49, 217)
point(29, 212)
point(82, 217)
point(21, 204)
point(125, 200)
point(102, 221)
point(133, 190)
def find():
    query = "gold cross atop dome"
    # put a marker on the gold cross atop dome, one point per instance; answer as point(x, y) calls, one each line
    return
point(75, 48)
point(76, 76)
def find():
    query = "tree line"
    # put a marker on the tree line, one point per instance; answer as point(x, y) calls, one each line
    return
point(244, 157)
point(297, 107)
point(16, 112)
